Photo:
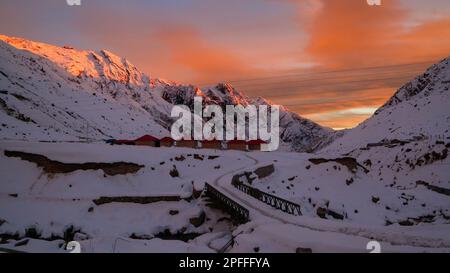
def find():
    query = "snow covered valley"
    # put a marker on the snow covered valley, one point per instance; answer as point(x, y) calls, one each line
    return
point(157, 209)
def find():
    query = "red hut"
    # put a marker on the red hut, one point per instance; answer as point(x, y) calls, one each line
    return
point(167, 142)
point(237, 145)
point(123, 142)
point(147, 140)
point(255, 145)
point(186, 143)
point(212, 144)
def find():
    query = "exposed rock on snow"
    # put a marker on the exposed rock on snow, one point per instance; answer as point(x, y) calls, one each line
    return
point(349, 162)
point(265, 171)
point(54, 167)
point(135, 199)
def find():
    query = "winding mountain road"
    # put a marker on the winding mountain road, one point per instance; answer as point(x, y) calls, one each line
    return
point(259, 210)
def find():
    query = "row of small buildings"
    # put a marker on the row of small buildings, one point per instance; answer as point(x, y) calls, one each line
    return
point(152, 141)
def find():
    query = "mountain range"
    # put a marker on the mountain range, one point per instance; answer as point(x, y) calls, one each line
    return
point(52, 93)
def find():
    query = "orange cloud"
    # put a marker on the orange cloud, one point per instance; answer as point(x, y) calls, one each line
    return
point(429, 39)
point(173, 51)
point(351, 33)
point(207, 61)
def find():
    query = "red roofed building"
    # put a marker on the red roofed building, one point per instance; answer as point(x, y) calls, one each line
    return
point(237, 145)
point(167, 142)
point(212, 144)
point(147, 140)
point(186, 143)
point(254, 145)
point(124, 142)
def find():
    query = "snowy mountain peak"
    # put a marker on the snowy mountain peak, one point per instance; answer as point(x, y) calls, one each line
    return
point(88, 64)
point(418, 110)
point(225, 93)
point(435, 79)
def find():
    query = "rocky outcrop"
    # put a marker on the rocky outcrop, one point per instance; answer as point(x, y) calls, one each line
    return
point(199, 220)
point(324, 212)
point(54, 167)
point(265, 171)
point(437, 189)
point(349, 162)
point(135, 199)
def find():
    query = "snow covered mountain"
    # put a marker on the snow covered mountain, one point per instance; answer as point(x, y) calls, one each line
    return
point(418, 110)
point(59, 93)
